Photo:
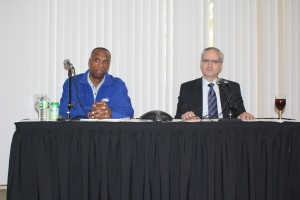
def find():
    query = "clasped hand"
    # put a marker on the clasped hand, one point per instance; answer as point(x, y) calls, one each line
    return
point(100, 110)
point(190, 115)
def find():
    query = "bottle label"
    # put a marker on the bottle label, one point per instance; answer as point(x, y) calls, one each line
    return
point(44, 109)
point(44, 105)
point(54, 111)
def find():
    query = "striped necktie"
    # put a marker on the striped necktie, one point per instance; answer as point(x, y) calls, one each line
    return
point(212, 102)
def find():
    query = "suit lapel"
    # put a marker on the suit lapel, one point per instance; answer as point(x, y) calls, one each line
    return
point(198, 96)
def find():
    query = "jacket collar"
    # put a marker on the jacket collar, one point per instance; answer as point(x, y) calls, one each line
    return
point(84, 78)
point(198, 95)
point(198, 82)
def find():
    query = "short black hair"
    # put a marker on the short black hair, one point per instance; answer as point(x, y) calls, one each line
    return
point(101, 48)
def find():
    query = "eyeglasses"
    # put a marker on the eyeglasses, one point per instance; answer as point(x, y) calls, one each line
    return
point(206, 61)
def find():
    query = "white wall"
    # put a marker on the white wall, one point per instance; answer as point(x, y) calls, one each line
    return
point(16, 101)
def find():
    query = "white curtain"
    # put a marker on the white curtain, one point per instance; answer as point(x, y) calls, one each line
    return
point(190, 36)
point(155, 46)
point(290, 73)
point(235, 34)
point(260, 40)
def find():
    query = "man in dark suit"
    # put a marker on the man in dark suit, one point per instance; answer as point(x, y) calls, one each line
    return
point(195, 98)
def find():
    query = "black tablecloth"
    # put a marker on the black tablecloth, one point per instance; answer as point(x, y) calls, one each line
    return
point(129, 160)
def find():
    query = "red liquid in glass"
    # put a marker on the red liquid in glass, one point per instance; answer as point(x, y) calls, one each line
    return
point(280, 104)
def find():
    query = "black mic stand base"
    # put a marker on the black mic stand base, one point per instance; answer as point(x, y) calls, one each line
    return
point(70, 119)
point(64, 119)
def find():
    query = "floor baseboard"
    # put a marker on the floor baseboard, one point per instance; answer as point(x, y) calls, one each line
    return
point(3, 189)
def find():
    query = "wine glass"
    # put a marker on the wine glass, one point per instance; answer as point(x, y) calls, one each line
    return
point(280, 101)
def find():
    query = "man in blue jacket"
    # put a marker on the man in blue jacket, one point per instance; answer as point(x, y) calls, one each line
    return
point(96, 93)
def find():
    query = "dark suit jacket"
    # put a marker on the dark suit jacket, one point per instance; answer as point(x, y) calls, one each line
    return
point(190, 98)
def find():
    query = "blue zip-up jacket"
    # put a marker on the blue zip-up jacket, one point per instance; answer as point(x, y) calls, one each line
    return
point(113, 89)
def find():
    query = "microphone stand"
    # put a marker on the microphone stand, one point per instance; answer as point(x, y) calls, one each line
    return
point(231, 105)
point(70, 104)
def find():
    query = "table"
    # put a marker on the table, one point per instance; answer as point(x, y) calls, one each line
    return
point(152, 160)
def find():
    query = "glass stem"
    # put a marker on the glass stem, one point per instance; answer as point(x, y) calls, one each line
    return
point(280, 114)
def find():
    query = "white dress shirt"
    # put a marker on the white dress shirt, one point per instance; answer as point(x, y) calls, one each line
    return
point(95, 88)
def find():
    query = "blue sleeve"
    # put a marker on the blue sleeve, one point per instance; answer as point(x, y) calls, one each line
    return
point(120, 103)
point(63, 106)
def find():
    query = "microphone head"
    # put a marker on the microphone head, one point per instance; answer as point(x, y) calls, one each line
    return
point(221, 81)
point(67, 64)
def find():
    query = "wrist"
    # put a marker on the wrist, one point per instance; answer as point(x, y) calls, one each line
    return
point(89, 115)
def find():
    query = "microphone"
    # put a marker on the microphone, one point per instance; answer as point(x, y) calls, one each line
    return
point(228, 94)
point(221, 81)
point(68, 65)
point(71, 70)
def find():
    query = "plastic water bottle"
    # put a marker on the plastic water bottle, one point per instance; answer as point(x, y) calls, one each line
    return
point(54, 111)
point(44, 108)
